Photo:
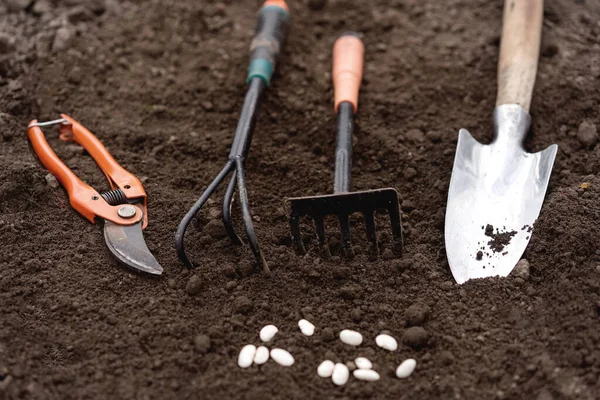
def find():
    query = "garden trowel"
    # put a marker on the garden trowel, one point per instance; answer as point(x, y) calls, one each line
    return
point(497, 190)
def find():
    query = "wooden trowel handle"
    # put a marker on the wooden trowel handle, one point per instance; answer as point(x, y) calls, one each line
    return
point(519, 51)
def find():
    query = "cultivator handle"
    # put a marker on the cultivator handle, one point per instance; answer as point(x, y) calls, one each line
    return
point(519, 51)
point(348, 59)
point(268, 40)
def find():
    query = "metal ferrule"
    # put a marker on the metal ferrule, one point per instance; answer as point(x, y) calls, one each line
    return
point(511, 124)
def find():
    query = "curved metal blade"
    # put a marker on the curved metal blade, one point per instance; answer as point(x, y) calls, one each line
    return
point(495, 196)
point(128, 245)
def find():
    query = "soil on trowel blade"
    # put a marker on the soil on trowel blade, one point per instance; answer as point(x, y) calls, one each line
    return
point(498, 241)
point(161, 82)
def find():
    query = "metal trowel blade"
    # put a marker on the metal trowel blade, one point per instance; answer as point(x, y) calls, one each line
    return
point(495, 196)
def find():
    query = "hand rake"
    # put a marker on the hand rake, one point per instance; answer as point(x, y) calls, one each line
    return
point(348, 53)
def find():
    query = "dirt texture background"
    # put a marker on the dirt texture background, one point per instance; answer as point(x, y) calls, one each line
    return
point(161, 83)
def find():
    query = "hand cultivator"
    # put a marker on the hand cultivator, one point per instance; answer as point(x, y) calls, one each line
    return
point(264, 52)
point(348, 55)
point(123, 209)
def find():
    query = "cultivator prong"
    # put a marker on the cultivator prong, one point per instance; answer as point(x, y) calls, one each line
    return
point(180, 233)
point(227, 204)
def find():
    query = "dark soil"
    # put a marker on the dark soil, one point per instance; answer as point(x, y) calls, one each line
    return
point(161, 83)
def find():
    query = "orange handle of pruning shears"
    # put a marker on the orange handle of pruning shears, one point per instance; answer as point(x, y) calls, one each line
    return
point(348, 54)
point(86, 200)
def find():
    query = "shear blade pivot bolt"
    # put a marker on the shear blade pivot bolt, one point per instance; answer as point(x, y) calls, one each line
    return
point(126, 212)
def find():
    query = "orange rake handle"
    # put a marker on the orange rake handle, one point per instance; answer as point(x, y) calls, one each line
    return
point(83, 198)
point(348, 60)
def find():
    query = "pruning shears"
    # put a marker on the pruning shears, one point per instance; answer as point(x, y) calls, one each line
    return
point(122, 209)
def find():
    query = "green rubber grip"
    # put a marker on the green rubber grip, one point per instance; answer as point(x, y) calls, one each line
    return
point(268, 41)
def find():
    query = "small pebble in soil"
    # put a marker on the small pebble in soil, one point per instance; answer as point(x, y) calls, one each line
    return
point(7, 43)
point(340, 374)
point(325, 369)
point(51, 181)
point(363, 363)
point(306, 327)
point(282, 357)
point(242, 305)
point(410, 173)
point(415, 135)
point(246, 356)
point(416, 314)
point(194, 285)
point(522, 269)
point(405, 369)
point(366, 375)
point(245, 267)
point(351, 366)
point(202, 343)
point(587, 133)
point(215, 229)
point(327, 335)
point(267, 333)
point(261, 356)
point(415, 337)
point(352, 338)
point(386, 342)
point(446, 358)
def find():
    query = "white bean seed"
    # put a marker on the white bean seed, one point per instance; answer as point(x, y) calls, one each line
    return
point(261, 356)
point(406, 368)
point(306, 327)
point(386, 342)
point(246, 356)
point(325, 369)
point(366, 375)
point(282, 357)
point(268, 332)
point(363, 363)
point(352, 338)
point(340, 374)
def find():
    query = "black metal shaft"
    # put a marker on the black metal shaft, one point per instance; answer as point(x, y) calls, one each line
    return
point(343, 150)
point(245, 127)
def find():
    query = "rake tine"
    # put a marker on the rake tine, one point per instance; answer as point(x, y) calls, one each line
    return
point(227, 203)
point(320, 228)
point(371, 233)
point(346, 242)
point(394, 212)
point(296, 234)
point(247, 216)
